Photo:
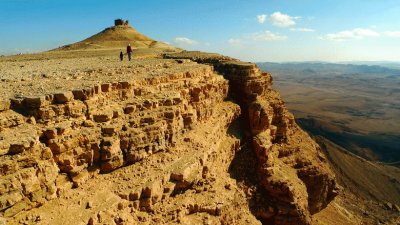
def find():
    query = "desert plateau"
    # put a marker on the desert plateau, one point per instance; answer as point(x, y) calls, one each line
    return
point(112, 126)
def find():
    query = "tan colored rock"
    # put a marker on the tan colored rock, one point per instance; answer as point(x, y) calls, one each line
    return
point(104, 116)
point(260, 116)
point(20, 206)
point(79, 95)
point(35, 102)
point(134, 195)
point(78, 178)
point(110, 155)
point(65, 97)
point(186, 173)
point(163, 134)
point(106, 87)
point(396, 208)
point(152, 189)
point(4, 105)
point(273, 129)
point(388, 205)
point(10, 199)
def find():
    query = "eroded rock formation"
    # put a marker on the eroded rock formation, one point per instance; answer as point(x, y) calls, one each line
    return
point(291, 167)
point(157, 149)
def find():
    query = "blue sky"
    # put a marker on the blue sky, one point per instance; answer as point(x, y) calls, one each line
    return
point(251, 30)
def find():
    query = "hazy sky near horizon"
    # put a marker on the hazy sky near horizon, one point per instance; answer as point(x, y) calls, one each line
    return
point(251, 30)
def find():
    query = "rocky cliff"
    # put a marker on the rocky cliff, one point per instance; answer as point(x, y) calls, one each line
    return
point(193, 138)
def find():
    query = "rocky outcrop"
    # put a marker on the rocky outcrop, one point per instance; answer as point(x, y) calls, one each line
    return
point(292, 169)
point(159, 144)
point(107, 126)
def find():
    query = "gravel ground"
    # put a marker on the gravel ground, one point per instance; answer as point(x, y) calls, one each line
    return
point(22, 76)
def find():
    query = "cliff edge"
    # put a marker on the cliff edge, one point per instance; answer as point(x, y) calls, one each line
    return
point(192, 138)
point(292, 172)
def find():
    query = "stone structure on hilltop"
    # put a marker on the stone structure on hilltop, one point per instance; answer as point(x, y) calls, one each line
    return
point(188, 139)
point(119, 22)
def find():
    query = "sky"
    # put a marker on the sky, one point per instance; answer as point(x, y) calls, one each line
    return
point(250, 30)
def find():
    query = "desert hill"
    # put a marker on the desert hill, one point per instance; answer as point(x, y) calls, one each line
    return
point(118, 36)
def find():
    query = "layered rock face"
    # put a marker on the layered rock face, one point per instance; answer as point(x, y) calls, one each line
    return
point(291, 167)
point(157, 148)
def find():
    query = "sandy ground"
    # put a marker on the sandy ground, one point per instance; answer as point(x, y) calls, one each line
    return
point(43, 74)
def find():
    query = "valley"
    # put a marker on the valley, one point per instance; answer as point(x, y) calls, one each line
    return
point(353, 113)
point(355, 106)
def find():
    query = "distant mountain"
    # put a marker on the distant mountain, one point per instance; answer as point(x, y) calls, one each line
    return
point(318, 67)
point(354, 106)
point(353, 112)
point(388, 64)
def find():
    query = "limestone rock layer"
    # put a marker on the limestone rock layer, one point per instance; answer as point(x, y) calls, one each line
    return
point(161, 148)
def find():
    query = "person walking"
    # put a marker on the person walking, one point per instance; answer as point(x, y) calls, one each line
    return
point(129, 51)
point(121, 56)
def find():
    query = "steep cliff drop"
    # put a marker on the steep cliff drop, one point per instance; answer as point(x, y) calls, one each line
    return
point(187, 138)
point(292, 171)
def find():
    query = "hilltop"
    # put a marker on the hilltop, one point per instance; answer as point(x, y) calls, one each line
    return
point(117, 36)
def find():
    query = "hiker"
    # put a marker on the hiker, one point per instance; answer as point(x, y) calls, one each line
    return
point(121, 56)
point(129, 51)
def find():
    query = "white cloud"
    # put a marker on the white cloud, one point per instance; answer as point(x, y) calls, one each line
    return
point(235, 42)
point(302, 29)
point(184, 41)
point(358, 33)
point(266, 36)
point(261, 18)
point(282, 20)
point(394, 34)
point(365, 32)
